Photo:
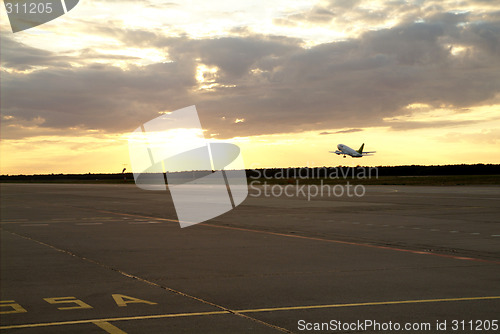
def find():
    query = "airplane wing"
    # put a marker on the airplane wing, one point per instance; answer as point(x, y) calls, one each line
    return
point(336, 152)
point(368, 153)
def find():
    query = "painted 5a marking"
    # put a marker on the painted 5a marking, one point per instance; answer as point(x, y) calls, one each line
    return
point(72, 303)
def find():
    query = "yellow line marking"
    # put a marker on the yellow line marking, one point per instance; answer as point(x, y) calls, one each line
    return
point(270, 309)
point(108, 327)
point(140, 317)
point(415, 301)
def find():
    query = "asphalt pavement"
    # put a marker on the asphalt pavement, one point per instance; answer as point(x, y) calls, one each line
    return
point(83, 258)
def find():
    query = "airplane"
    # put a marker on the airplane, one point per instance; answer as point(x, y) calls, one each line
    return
point(346, 150)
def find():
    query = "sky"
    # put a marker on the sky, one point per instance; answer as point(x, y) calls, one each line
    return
point(416, 81)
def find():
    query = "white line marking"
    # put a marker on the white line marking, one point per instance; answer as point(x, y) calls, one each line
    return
point(453, 231)
point(64, 6)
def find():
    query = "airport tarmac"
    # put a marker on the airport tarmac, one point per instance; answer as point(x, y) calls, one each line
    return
point(86, 258)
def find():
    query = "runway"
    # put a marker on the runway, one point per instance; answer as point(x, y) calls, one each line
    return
point(85, 258)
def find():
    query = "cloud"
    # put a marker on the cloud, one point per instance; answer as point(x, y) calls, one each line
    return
point(235, 56)
point(317, 15)
point(273, 82)
point(21, 57)
point(99, 97)
point(351, 15)
point(340, 131)
point(17, 56)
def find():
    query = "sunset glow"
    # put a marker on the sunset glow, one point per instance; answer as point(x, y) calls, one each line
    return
point(286, 81)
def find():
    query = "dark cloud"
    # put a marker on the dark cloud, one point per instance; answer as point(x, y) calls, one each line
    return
point(272, 82)
point(21, 57)
point(100, 97)
point(234, 56)
point(349, 131)
point(340, 131)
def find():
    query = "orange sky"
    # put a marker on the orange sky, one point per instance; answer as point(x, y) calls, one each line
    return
point(286, 82)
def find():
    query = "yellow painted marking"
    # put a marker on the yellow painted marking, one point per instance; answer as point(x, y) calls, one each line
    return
point(270, 309)
point(155, 284)
point(15, 307)
point(108, 327)
point(415, 301)
point(122, 300)
point(66, 300)
point(140, 317)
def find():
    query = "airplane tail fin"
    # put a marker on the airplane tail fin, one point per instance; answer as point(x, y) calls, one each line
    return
point(360, 151)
